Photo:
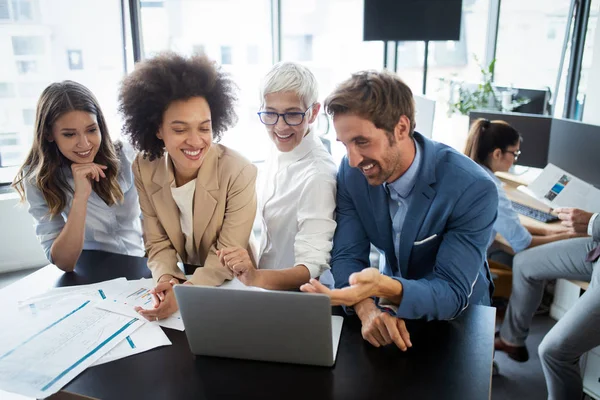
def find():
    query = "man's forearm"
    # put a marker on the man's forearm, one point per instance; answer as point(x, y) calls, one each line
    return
point(390, 289)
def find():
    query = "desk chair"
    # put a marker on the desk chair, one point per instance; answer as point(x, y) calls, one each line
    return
point(502, 277)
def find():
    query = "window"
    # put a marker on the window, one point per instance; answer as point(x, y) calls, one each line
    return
point(298, 47)
point(7, 90)
point(28, 45)
point(24, 10)
point(587, 57)
point(229, 31)
point(226, 55)
point(4, 11)
point(38, 32)
point(530, 40)
point(27, 67)
point(9, 139)
point(29, 117)
point(327, 37)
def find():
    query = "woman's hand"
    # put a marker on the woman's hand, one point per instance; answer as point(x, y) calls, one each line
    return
point(83, 174)
point(165, 303)
point(238, 261)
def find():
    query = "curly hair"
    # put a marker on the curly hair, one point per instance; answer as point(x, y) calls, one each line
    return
point(147, 92)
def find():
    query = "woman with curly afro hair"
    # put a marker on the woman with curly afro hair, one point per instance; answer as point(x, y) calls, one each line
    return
point(196, 196)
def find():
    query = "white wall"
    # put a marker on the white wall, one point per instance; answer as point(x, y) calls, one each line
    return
point(592, 101)
point(19, 247)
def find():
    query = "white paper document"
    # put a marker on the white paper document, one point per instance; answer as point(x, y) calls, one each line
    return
point(145, 338)
point(236, 284)
point(148, 337)
point(41, 353)
point(137, 293)
point(558, 188)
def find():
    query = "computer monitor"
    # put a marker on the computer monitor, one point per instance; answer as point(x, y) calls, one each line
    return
point(575, 147)
point(534, 129)
point(539, 99)
point(424, 115)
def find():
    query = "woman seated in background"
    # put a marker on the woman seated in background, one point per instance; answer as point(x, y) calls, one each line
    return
point(196, 197)
point(495, 145)
point(78, 183)
point(296, 191)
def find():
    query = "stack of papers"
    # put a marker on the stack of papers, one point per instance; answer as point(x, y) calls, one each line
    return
point(55, 336)
point(556, 188)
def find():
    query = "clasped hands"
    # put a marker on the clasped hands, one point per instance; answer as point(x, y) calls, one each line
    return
point(379, 328)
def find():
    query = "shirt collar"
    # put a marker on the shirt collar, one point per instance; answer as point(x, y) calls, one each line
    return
point(308, 144)
point(404, 185)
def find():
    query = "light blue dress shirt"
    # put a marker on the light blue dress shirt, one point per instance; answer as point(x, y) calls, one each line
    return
point(507, 223)
point(399, 193)
point(115, 229)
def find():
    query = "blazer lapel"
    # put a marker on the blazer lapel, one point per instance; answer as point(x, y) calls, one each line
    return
point(380, 206)
point(206, 182)
point(419, 204)
point(415, 214)
point(165, 206)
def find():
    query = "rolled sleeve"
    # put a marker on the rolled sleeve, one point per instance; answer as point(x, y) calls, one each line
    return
point(316, 226)
point(47, 227)
point(590, 230)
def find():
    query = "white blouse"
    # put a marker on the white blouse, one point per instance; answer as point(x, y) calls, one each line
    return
point(297, 193)
point(184, 198)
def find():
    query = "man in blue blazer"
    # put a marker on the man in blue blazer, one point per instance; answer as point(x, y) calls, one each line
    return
point(428, 208)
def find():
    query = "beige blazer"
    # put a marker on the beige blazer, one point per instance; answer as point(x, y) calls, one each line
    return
point(224, 211)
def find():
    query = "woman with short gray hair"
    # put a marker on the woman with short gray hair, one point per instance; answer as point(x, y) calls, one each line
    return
point(296, 189)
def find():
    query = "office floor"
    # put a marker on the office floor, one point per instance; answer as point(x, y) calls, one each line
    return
point(523, 380)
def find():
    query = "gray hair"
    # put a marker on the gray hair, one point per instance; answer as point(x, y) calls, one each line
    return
point(287, 76)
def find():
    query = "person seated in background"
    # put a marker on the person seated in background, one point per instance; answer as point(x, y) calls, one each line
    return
point(495, 145)
point(78, 183)
point(297, 188)
point(578, 331)
point(197, 197)
point(428, 208)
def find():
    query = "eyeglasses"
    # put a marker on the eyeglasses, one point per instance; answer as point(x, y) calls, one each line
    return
point(516, 154)
point(290, 118)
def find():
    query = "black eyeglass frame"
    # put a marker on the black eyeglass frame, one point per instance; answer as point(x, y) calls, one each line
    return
point(516, 154)
point(284, 115)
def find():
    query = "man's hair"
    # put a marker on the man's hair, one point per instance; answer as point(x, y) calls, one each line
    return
point(380, 97)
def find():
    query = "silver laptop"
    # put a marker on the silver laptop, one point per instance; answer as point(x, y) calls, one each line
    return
point(289, 327)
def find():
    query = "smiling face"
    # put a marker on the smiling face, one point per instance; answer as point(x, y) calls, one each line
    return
point(77, 136)
point(369, 149)
point(186, 131)
point(287, 137)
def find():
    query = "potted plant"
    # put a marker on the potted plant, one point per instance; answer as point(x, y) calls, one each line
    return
point(483, 96)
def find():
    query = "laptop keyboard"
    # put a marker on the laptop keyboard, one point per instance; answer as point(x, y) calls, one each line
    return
point(533, 213)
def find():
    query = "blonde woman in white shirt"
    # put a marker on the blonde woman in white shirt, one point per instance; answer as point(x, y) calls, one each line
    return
point(296, 189)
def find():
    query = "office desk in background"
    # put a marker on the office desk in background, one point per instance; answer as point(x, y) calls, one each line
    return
point(449, 359)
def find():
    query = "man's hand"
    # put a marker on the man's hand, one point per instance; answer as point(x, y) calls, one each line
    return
point(575, 219)
point(363, 285)
point(238, 261)
point(380, 328)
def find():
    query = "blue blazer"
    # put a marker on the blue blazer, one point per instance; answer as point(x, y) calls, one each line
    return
point(449, 220)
